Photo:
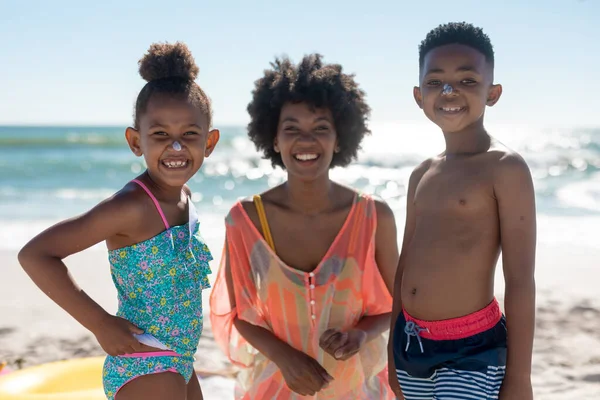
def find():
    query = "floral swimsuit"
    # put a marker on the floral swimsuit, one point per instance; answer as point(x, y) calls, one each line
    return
point(159, 283)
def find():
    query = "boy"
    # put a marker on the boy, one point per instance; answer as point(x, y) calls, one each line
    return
point(448, 336)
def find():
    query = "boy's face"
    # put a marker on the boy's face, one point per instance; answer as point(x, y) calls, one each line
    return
point(471, 79)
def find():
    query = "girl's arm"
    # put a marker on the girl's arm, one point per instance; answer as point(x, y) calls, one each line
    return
point(42, 257)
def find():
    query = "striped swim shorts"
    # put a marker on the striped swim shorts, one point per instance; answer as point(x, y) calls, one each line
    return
point(460, 359)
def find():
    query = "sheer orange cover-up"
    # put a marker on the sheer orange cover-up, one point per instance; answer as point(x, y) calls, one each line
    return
point(298, 307)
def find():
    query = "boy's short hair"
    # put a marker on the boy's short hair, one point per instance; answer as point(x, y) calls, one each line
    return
point(319, 85)
point(457, 33)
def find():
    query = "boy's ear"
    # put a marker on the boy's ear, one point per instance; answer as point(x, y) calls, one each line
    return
point(211, 142)
point(134, 141)
point(418, 97)
point(494, 94)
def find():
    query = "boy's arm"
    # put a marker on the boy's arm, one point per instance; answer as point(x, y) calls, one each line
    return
point(515, 195)
point(409, 229)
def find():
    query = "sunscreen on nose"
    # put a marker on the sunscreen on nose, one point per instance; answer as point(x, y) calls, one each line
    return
point(447, 89)
point(176, 146)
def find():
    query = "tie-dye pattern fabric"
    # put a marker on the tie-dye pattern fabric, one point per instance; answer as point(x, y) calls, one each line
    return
point(298, 307)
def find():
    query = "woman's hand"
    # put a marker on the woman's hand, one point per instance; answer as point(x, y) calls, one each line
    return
point(302, 373)
point(342, 345)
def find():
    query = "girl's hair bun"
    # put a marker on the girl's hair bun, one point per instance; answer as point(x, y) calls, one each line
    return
point(164, 60)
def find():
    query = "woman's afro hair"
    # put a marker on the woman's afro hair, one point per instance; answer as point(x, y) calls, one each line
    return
point(319, 85)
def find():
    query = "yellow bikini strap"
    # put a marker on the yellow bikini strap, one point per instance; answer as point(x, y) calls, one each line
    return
point(262, 216)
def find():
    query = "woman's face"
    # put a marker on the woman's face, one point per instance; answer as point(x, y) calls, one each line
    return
point(306, 139)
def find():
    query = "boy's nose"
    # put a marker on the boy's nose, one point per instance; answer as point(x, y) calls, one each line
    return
point(448, 90)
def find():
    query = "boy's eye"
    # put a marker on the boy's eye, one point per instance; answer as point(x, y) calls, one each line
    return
point(434, 82)
point(160, 133)
point(191, 133)
point(468, 82)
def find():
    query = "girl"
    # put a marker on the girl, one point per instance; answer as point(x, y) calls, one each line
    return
point(302, 298)
point(158, 261)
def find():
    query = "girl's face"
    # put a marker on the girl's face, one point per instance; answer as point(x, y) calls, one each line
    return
point(306, 138)
point(174, 138)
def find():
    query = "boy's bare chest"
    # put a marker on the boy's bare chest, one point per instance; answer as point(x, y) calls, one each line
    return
point(459, 190)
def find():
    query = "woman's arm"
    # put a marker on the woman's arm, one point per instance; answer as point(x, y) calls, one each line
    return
point(343, 345)
point(303, 374)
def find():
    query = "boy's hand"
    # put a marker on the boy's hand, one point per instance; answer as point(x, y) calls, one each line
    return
point(302, 373)
point(115, 336)
point(342, 345)
point(516, 389)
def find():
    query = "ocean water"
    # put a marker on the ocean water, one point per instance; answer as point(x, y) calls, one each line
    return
point(49, 173)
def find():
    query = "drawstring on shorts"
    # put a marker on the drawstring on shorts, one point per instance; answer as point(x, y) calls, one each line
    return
point(412, 329)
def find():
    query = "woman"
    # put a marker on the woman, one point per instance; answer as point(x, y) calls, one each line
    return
point(302, 299)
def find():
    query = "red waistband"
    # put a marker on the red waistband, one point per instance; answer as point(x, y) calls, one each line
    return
point(461, 327)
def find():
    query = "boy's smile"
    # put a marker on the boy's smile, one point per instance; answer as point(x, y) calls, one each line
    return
point(456, 83)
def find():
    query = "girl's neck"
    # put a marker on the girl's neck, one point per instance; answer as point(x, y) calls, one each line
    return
point(162, 191)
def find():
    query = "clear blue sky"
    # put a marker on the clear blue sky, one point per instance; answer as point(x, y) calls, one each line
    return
point(75, 62)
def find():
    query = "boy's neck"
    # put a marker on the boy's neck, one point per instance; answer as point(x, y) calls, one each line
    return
point(309, 197)
point(471, 140)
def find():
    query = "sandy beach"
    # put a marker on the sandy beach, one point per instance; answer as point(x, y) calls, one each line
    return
point(567, 347)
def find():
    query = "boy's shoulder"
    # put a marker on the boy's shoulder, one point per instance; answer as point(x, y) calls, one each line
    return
point(506, 163)
point(499, 159)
